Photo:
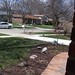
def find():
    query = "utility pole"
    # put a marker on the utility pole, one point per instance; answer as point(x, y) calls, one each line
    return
point(70, 67)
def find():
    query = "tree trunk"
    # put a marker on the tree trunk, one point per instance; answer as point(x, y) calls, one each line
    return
point(56, 22)
point(23, 18)
point(9, 13)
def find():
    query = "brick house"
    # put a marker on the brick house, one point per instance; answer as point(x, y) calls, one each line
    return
point(28, 19)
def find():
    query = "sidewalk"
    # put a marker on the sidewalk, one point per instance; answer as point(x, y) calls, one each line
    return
point(46, 39)
point(19, 33)
point(57, 66)
point(36, 37)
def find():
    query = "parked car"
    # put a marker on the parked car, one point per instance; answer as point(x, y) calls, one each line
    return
point(6, 25)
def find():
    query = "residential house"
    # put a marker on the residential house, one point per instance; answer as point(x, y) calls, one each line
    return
point(44, 19)
point(17, 18)
point(28, 19)
point(31, 19)
point(3, 16)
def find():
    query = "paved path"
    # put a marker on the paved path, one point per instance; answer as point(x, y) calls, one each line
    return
point(57, 66)
point(19, 33)
point(36, 37)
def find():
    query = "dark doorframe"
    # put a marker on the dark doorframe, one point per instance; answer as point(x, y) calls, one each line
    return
point(70, 68)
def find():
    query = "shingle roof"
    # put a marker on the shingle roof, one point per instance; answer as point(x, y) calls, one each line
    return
point(31, 17)
point(26, 16)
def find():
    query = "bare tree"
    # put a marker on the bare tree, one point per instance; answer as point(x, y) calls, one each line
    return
point(22, 7)
point(37, 7)
point(7, 6)
point(29, 7)
point(57, 9)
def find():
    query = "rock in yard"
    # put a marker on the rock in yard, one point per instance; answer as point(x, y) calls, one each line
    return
point(39, 47)
point(44, 49)
point(55, 42)
point(33, 57)
point(22, 64)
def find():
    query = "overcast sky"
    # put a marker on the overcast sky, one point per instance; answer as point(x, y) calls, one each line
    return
point(44, 0)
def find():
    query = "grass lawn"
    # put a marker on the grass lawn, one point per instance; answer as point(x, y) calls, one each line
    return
point(3, 34)
point(45, 26)
point(20, 26)
point(45, 33)
point(16, 25)
point(12, 50)
point(58, 36)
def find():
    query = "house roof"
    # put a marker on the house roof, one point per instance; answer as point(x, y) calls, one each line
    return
point(38, 15)
point(26, 16)
point(32, 17)
point(17, 15)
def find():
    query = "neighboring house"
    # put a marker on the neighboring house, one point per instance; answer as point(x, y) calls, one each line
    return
point(49, 21)
point(3, 16)
point(31, 19)
point(17, 18)
point(28, 19)
point(44, 19)
point(40, 17)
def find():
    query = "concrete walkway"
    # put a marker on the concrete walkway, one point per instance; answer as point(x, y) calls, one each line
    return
point(52, 40)
point(19, 33)
point(57, 66)
point(36, 37)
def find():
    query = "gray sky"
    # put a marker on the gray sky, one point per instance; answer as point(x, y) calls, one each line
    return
point(43, 0)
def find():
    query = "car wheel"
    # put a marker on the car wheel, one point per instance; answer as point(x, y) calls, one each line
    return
point(9, 27)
